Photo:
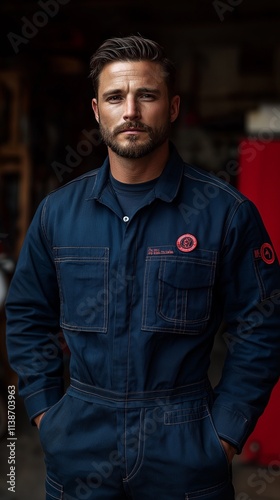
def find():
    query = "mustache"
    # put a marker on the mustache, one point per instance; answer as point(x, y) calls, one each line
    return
point(131, 124)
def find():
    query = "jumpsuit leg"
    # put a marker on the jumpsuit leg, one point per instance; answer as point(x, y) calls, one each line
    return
point(179, 456)
point(99, 448)
point(79, 440)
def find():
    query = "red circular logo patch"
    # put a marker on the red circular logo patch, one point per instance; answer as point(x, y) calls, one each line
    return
point(186, 243)
point(267, 253)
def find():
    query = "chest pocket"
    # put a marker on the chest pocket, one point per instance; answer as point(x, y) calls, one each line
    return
point(178, 293)
point(82, 274)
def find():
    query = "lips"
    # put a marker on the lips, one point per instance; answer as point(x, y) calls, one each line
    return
point(133, 130)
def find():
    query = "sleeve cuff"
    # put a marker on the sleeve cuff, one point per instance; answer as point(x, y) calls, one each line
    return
point(42, 400)
point(231, 426)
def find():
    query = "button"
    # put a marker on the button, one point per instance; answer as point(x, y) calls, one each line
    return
point(125, 218)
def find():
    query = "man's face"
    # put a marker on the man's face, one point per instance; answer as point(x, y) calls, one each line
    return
point(133, 107)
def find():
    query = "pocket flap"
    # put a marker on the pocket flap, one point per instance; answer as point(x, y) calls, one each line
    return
point(191, 274)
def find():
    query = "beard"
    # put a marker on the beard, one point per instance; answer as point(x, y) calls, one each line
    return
point(135, 147)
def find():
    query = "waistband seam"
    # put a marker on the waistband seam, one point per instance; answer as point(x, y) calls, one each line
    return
point(189, 390)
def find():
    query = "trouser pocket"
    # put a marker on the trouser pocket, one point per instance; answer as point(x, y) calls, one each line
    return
point(182, 454)
point(223, 491)
point(81, 452)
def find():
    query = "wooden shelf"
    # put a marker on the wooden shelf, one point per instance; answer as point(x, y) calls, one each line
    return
point(15, 164)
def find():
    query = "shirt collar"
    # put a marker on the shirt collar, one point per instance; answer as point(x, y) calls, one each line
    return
point(166, 187)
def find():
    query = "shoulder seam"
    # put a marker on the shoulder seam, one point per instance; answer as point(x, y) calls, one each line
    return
point(232, 214)
point(92, 173)
point(212, 179)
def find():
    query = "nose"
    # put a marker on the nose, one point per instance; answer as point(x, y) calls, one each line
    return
point(131, 109)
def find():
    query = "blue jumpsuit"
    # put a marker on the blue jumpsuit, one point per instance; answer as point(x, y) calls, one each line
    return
point(139, 301)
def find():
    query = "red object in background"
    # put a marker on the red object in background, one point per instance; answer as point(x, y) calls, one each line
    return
point(259, 180)
point(263, 446)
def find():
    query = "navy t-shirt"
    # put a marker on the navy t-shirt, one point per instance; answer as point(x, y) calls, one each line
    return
point(130, 195)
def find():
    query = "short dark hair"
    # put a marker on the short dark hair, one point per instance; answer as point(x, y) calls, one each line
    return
point(131, 48)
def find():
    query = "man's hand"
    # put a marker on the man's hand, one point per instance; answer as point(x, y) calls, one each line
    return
point(230, 450)
point(38, 419)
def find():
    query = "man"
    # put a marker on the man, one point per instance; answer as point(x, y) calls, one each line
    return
point(139, 280)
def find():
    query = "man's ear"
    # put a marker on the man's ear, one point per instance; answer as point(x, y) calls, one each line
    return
point(174, 108)
point(95, 109)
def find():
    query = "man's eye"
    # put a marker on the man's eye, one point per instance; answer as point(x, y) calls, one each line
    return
point(114, 98)
point(148, 97)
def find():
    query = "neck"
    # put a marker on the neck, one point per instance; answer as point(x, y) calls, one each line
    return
point(134, 171)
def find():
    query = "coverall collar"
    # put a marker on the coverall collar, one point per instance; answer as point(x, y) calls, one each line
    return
point(166, 188)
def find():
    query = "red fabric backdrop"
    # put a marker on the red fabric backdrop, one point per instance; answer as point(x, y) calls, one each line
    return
point(259, 180)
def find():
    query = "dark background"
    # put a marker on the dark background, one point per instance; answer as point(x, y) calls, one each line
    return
point(228, 58)
point(227, 54)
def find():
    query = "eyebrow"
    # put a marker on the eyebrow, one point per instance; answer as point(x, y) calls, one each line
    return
point(138, 91)
point(112, 91)
point(149, 90)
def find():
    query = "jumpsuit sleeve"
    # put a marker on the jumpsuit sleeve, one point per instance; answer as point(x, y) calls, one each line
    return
point(250, 289)
point(32, 322)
